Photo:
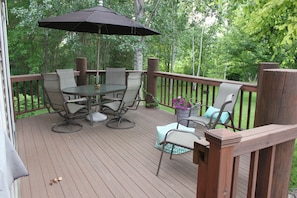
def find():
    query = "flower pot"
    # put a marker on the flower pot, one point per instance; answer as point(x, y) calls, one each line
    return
point(184, 113)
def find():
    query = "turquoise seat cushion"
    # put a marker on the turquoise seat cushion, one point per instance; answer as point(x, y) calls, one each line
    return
point(224, 117)
point(161, 132)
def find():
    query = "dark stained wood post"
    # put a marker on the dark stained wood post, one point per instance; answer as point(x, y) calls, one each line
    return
point(276, 104)
point(261, 67)
point(151, 87)
point(264, 65)
point(81, 66)
point(220, 164)
point(200, 156)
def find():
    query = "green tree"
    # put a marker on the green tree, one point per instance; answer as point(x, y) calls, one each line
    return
point(271, 23)
point(44, 49)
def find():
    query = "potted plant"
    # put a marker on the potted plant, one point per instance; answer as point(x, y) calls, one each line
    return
point(151, 101)
point(184, 107)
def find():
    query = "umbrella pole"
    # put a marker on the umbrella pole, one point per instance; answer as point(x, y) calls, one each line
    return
point(98, 55)
point(97, 116)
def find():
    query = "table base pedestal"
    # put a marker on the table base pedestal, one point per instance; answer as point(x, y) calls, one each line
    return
point(97, 117)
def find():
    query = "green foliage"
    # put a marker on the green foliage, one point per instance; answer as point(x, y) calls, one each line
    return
point(242, 35)
point(271, 24)
point(53, 49)
point(293, 179)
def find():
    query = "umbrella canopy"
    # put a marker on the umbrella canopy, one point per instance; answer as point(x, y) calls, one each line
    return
point(98, 20)
point(90, 20)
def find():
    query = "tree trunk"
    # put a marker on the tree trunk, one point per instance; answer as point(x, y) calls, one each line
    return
point(200, 51)
point(138, 55)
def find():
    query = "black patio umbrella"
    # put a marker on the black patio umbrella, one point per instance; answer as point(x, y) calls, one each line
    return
point(98, 20)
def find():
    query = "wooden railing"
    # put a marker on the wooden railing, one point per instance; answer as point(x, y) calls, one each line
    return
point(219, 160)
point(204, 90)
point(29, 97)
point(27, 93)
point(168, 86)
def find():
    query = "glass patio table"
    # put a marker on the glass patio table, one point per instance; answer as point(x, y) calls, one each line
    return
point(89, 91)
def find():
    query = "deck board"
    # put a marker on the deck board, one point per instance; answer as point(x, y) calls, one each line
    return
point(102, 162)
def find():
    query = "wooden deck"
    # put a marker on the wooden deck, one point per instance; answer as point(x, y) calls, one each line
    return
point(102, 162)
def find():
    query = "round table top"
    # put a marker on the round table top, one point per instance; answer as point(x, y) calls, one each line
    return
point(90, 90)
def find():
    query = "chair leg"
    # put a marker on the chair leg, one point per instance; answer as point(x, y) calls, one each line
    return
point(120, 123)
point(171, 151)
point(67, 126)
point(232, 124)
point(163, 146)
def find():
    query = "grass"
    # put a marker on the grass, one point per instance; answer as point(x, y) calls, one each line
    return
point(293, 179)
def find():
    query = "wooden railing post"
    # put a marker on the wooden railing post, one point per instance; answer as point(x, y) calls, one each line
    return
point(81, 66)
point(151, 87)
point(261, 67)
point(265, 65)
point(218, 175)
point(276, 104)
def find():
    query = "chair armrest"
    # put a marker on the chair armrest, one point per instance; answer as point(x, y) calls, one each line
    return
point(77, 100)
point(182, 138)
point(111, 98)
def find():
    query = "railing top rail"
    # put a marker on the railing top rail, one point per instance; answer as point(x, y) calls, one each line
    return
point(103, 71)
point(265, 136)
point(30, 77)
point(184, 77)
point(204, 80)
point(26, 77)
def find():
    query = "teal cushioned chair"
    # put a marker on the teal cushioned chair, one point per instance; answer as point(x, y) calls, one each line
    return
point(222, 109)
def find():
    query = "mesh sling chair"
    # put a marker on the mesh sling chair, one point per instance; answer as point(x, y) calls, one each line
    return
point(119, 107)
point(181, 138)
point(67, 79)
point(68, 109)
point(116, 76)
point(222, 109)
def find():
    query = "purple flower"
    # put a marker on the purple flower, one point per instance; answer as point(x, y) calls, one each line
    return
point(181, 103)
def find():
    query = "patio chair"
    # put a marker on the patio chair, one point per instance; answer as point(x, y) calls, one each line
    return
point(67, 79)
point(222, 109)
point(181, 138)
point(68, 109)
point(119, 107)
point(116, 76)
